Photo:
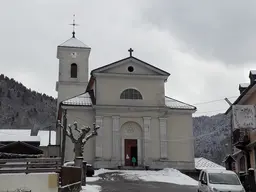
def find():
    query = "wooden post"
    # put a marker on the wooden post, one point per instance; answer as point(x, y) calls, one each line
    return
point(64, 137)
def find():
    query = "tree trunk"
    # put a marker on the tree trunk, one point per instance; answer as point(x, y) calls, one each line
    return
point(78, 150)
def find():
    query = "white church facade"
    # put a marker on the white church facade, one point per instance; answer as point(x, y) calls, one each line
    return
point(127, 100)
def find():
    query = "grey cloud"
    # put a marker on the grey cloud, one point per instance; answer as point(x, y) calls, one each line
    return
point(214, 29)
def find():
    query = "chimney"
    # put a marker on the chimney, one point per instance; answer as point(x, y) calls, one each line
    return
point(243, 86)
point(252, 76)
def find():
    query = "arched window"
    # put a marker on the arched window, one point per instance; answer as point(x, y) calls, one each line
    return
point(73, 72)
point(130, 94)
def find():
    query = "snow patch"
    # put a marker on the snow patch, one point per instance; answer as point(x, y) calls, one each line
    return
point(92, 179)
point(101, 171)
point(91, 188)
point(167, 175)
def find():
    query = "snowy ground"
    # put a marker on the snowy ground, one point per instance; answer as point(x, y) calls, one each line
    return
point(166, 176)
point(91, 188)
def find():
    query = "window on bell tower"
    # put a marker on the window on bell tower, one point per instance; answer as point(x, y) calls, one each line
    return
point(73, 71)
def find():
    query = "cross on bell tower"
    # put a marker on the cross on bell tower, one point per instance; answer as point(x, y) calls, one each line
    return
point(130, 50)
point(74, 25)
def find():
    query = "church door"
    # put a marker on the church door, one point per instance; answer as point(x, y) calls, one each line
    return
point(131, 150)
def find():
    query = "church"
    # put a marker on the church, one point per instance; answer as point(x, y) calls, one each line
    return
point(127, 100)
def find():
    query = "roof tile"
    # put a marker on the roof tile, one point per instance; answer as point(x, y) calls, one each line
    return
point(83, 99)
point(175, 104)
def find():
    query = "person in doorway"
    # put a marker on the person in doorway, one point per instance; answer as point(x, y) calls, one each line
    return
point(133, 161)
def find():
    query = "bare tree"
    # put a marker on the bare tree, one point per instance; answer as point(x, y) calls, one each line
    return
point(84, 135)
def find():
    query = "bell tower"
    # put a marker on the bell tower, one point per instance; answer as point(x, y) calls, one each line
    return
point(73, 57)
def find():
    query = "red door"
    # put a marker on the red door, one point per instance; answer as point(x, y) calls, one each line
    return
point(129, 144)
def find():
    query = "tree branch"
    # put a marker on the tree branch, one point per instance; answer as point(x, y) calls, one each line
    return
point(70, 134)
point(78, 130)
point(91, 135)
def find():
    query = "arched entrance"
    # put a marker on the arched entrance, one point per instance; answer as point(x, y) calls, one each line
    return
point(131, 136)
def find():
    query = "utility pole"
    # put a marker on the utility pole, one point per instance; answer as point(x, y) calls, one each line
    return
point(64, 133)
point(231, 126)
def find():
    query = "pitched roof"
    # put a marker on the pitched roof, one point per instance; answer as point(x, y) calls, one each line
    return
point(176, 104)
point(202, 163)
point(74, 42)
point(83, 99)
point(17, 143)
point(114, 64)
point(229, 157)
point(242, 95)
point(14, 155)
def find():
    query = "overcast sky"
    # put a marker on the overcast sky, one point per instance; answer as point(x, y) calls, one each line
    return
point(207, 46)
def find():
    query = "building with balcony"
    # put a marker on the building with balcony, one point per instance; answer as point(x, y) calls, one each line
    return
point(244, 140)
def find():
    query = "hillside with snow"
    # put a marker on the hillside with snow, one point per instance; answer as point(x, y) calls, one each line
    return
point(22, 108)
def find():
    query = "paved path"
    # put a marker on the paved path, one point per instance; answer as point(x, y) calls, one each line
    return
point(113, 182)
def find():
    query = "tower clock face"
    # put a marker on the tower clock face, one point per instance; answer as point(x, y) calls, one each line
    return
point(73, 55)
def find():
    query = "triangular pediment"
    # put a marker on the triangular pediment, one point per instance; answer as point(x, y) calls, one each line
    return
point(131, 65)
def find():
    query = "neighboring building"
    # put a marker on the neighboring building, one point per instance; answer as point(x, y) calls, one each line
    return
point(244, 140)
point(15, 140)
point(127, 100)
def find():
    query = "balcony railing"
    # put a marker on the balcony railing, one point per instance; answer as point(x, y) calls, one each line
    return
point(240, 138)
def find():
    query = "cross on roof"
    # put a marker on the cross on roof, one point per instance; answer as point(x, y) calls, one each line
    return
point(130, 50)
point(74, 24)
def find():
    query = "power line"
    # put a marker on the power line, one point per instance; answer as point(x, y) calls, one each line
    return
point(211, 101)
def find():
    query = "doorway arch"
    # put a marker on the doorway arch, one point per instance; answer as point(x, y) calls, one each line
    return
point(131, 137)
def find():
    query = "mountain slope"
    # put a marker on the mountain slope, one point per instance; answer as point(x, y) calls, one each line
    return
point(212, 137)
point(21, 108)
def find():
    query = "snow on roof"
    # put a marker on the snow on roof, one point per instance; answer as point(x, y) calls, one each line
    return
point(44, 137)
point(17, 135)
point(82, 99)
point(253, 72)
point(202, 163)
point(24, 136)
point(175, 104)
point(244, 85)
point(73, 42)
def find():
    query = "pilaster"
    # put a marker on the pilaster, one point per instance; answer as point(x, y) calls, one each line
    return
point(163, 138)
point(116, 143)
point(146, 138)
point(99, 139)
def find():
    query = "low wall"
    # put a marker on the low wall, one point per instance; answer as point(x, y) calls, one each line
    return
point(34, 182)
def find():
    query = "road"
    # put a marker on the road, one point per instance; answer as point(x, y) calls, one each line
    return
point(113, 182)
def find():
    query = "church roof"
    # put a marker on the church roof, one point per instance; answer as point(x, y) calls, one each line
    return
point(74, 42)
point(175, 104)
point(131, 58)
point(83, 99)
